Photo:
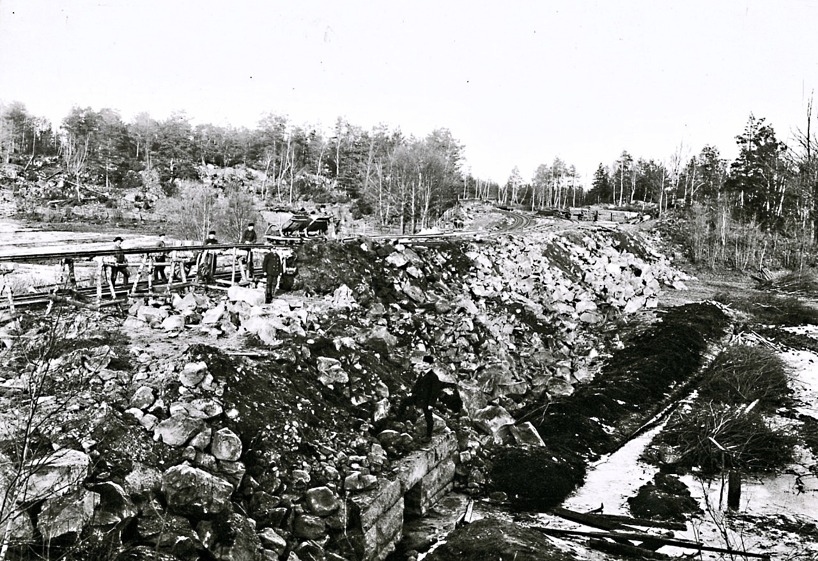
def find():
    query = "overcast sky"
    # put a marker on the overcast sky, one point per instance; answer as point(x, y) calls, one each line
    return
point(517, 82)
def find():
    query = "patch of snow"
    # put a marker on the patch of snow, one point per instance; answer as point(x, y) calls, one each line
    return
point(615, 477)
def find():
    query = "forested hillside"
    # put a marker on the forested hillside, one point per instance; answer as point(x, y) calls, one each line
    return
point(756, 211)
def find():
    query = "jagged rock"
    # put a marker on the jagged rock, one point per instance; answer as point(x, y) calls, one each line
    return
point(135, 412)
point(167, 532)
point(309, 551)
point(142, 480)
point(321, 501)
point(178, 429)
point(343, 298)
point(397, 259)
point(300, 478)
point(232, 471)
point(525, 433)
point(262, 327)
point(142, 398)
point(213, 315)
point(67, 514)
point(414, 293)
point(330, 371)
point(192, 491)
point(382, 408)
point(309, 526)
point(559, 387)
point(252, 296)
point(151, 315)
point(172, 323)
point(149, 421)
point(356, 481)
point(491, 418)
point(206, 461)
point(243, 545)
point(202, 440)
point(381, 334)
point(57, 474)
point(273, 541)
point(203, 408)
point(192, 374)
point(226, 445)
point(189, 302)
point(115, 505)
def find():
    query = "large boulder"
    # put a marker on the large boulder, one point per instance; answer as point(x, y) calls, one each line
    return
point(67, 514)
point(57, 474)
point(243, 543)
point(252, 296)
point(115, 505)
point(262, 327)
point(309, 527)
point(195, 492)
point(321, 501)
point(490, 419)
point(143, 398)
point(226, 445)
point(178, 429)
point(272, 540)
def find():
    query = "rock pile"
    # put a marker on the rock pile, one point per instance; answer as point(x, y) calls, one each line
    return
point(251, 460)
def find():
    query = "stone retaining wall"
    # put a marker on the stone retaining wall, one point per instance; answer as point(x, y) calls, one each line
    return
point(417, 483)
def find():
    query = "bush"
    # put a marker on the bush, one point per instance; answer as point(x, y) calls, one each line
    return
point(742, 374)
point(713, 437)
point(773, 309)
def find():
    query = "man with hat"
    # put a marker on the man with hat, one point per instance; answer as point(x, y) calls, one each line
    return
point(207, 262)
point(159, 260)
point(249, 236)
point(120, 263)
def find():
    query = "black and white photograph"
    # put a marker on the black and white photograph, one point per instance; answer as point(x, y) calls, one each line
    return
point(459, 280)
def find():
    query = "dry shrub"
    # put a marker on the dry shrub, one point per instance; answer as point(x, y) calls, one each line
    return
point(796, 282)
point(716, 436)
point(742, 374)
point(773, 309)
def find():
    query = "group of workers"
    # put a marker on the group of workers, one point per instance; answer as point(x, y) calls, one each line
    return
point(273, 264)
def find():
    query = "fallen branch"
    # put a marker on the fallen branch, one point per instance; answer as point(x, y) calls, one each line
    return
point(652, 539)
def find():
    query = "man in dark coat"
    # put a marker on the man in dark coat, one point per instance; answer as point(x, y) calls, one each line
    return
point(249, 236)
point(207, 263)
point(273, 268)
point(120, 263)
point(159, 260)
point(428, 389)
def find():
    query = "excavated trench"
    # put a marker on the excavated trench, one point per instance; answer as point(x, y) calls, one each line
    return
point(638, 385)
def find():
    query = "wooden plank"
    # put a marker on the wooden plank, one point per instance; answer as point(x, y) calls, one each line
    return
point(611, 521)
point(651, 538)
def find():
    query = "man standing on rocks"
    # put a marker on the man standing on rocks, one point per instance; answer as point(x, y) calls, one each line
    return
point(273, 268)
point(431, 386)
